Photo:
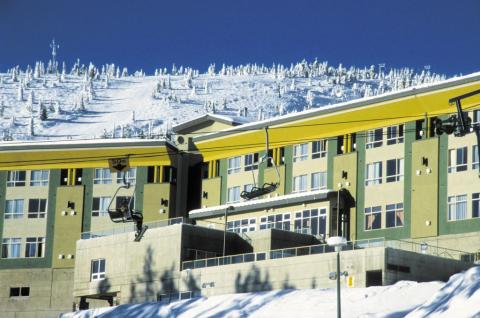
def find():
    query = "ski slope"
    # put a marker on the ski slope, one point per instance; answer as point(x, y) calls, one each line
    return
point(93, 102)
point(459, 298)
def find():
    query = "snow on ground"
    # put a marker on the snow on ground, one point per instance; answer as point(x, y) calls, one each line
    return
point(88, 103)
point(459, 298)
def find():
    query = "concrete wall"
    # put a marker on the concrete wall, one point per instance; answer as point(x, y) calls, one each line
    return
point(272, 239)
point(50, 292)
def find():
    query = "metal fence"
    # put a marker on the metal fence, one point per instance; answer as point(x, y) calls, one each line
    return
point(425, 248)
point(278, 254)
point(130, 227)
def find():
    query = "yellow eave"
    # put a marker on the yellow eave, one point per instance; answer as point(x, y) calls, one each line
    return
point(85, 157)
point(337, 120)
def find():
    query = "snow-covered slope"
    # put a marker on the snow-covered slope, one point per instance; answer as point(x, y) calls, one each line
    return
point(90, 102)
point(459, 298)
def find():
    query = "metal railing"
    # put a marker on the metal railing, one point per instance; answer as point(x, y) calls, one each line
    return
point(130, 227)
point(279, 254)
point(425, 248)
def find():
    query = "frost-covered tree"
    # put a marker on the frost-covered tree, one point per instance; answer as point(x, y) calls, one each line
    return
point(31, 127)
point(133, 116)
point(43, 113)
point(20, 93)
point(310, 99)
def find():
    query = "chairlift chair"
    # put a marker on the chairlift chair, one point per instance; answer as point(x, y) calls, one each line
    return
point(125, 212)
point(267, 187)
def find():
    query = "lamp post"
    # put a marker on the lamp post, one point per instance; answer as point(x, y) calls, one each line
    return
point(338, 242)
point(229, 208)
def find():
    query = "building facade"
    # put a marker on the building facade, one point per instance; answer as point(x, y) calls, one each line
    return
point(367, 169)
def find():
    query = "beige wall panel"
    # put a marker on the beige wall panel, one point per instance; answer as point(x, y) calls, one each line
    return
point(213, 189)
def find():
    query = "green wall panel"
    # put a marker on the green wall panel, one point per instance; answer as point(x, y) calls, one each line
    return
point(288, 169)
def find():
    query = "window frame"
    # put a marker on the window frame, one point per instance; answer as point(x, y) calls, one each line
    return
point(37, 245)
point(242, 225)
point(374, 138)
point(321, 150)
point(8, 244)
point(398, 211)
point(322, 177)
point(453, 165)
point(104, 176)
point(281, 221)
point(44, 178)
point(97, 275)
point(39, 214)
point(453, 205)
point(372, 212)
point(99, 212)
point(236, 194)
point(294, 183)
point(377, 173)
point(14, 214)
point(306, 216)
point(475, 205)
point(250, 162)
point(14, 178)
point(395, 134)
point(475, 161)
point(131, 176)
point(234, 165)
point(300, 152)
point(399, 170)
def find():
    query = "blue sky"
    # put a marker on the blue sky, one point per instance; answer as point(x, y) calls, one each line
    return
point(148, 34)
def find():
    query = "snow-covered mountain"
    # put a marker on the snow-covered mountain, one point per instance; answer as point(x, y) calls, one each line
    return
point(85, 102)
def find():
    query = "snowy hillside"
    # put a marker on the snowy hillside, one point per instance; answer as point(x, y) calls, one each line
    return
point(459, 297)
point(84, 102)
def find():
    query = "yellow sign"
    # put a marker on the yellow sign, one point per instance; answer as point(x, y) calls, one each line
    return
point(350, 281)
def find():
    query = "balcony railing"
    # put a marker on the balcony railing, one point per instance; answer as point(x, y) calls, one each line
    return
point(131, 228)
point(280, 253)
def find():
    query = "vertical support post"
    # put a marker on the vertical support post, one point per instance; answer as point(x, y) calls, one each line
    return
point(339, 302)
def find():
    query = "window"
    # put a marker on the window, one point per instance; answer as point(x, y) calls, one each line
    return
point(11, 247)
point(373, 173)
point(475, 157)
point(98, 269)
point(457, 207)
point(233, 194)
point(100, 206)
point(34, 247)
point(476, 116)
point(312, 221)
point(300, 183)
point(394, 214)
point(37, 208)
point(38, 178)
point(374, 138)
point(130, 177)
point(319, 180)
point(457, 159)
point(319, 149)
point(102, 176)
point(19, 291)
point(373, 218)
point(475, 205)
point(300, 152)
point(277, 221)
point(14, 209)
point(233, 165)
point(394, 170)
point(251, 162)
point(242, 226)
point(395, 135)
point(16, 178)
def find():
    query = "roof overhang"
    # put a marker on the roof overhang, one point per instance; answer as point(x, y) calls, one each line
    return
point(275, 202)
point(83, 153)
point(329, 121)
point(206, 118)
